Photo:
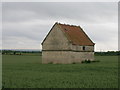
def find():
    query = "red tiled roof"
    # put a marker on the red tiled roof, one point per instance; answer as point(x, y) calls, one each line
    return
point(76, 35)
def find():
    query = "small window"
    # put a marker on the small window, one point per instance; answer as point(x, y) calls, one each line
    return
point(83, 47)
point(65, 29)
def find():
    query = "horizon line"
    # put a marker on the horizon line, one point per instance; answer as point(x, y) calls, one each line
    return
point(41, 49)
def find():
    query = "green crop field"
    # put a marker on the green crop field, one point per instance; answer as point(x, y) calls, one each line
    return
point(28, 72)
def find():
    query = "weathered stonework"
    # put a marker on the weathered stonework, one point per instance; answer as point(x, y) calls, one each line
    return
point(65, 57)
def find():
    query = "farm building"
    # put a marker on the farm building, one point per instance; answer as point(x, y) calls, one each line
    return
point(67, 44)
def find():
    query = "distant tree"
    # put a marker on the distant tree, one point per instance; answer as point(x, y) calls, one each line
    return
point(14, 52)
point(115, 53)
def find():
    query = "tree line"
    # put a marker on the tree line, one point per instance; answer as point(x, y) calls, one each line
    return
point(19, 52)
point(108, 53)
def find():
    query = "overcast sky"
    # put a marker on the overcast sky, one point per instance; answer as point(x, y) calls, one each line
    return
point(25, 25)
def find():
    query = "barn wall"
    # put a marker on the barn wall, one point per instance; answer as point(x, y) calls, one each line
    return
point(89, 48)
point(56, 57)
point(81, 56)
point(80, 48)
point(56, 40)
point(65, 57)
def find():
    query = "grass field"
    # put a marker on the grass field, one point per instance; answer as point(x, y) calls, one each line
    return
point(28, 72)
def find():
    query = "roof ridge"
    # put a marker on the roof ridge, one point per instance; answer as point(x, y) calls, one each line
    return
point(68, 24)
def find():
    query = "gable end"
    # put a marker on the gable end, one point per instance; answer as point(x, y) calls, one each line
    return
point(48, 33)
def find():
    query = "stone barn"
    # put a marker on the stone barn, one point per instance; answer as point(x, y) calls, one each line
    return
point(67, 44)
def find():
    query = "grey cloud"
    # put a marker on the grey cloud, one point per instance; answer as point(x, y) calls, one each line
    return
point(32, 21)
point(31, 32)
point(89, 12)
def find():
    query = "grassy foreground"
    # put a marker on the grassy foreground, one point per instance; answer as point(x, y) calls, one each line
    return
point(28, 72)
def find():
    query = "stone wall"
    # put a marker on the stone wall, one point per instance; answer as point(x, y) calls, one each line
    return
point(65, 57)
point(81, 56)
point(56, 40)
point(80, 48)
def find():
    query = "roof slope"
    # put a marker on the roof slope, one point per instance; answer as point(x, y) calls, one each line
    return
point(76, 35)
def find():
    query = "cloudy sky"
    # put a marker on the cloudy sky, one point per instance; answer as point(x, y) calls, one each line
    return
point(25, 25)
